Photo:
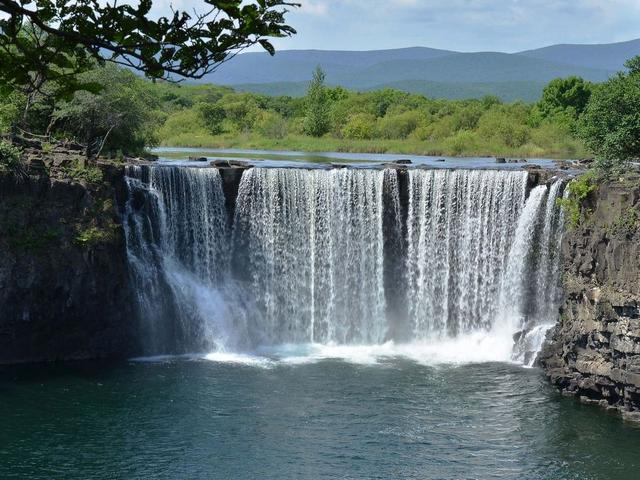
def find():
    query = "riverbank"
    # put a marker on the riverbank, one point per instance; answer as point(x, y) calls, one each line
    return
point(462, 146)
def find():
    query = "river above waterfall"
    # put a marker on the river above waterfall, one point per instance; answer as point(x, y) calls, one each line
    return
point(292, 159)
point(238, 417)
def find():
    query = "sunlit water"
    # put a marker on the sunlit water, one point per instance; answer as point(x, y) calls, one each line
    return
point(298, 413)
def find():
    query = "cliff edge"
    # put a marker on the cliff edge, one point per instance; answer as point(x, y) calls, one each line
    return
point(594, 351)
point(64, 290)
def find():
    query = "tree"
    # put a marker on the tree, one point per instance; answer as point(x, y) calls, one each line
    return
point(213, 116)
point(565, 96)
point(120, 117)
point(316, 121)
point(610, 125)
point(69, 34)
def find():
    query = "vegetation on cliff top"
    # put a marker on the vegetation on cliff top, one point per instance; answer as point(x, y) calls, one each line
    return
point(610, 125)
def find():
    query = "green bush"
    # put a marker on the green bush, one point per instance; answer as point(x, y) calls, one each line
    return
point(271, 125)
point(11, 106)
point(212, 115)
point(86, 173)
point(503, 127)
point(400, 125)
point(565, 96)
point(9, 158)
point(360, 126)
point(578, 191)
point(461, 142)
point(316, 120)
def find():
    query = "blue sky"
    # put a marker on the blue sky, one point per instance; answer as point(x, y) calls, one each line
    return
point(465, 25)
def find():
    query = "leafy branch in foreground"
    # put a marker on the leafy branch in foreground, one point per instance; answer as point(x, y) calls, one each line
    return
point(184, 44)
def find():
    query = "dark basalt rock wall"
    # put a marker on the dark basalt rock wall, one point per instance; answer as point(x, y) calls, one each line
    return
point(594, 352)
point(64, 290)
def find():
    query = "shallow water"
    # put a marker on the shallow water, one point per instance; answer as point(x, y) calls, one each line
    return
point(288, 158)
point(241, 417)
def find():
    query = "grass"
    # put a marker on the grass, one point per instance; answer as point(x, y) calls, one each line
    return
point(459, 145)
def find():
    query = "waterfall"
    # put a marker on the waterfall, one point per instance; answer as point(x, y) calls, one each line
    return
point(461, 226)
point(312, 244)
point(178, 248)
point(341, 256)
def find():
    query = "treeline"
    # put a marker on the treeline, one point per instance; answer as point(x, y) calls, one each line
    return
point(379, 121)
point(573, 118)
point(119, 113)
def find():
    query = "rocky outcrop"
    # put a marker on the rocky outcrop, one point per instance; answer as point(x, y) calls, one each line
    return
point(594, 352)
point(63, 273)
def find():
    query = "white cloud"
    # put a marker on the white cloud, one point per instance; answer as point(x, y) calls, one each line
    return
point(314, 8)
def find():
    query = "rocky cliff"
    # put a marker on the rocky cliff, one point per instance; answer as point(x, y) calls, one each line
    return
point(594, 352)
point(63, 274)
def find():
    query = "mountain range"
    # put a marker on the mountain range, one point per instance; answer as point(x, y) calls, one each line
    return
point(432, 72)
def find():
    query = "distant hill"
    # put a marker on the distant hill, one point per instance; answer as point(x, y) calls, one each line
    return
point(435, 73)
point(609, 56)
point(297, 65)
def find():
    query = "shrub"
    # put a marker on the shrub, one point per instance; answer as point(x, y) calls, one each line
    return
point(461, 142)
point(10, 159)
point(399, 125)
point(565, 95)
point(503, 127)
point(11, 106)
point(360, 126)
point(82, 172)
point(212, 115)
point(271, 125)
point(316, 121)
point(578, 191)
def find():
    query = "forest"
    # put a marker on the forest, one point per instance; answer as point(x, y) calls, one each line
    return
point(124, 114)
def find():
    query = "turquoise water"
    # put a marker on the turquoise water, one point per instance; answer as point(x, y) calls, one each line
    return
point(316, 419)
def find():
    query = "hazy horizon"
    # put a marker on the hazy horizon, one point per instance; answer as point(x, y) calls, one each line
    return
point(260, 50)
point(506, 26)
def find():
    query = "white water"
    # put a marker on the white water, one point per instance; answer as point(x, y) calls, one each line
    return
point(305, 272)
point(313, 248)
point(461, 226)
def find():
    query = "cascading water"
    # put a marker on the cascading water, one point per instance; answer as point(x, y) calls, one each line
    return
point(342, 256)
point(178, 248)
point(461, 226)
point(314, 253)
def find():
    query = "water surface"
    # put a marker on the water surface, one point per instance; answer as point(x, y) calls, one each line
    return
point(247, 417)
point(287, 158)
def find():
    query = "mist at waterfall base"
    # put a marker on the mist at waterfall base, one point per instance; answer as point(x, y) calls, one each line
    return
point(359, 264)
